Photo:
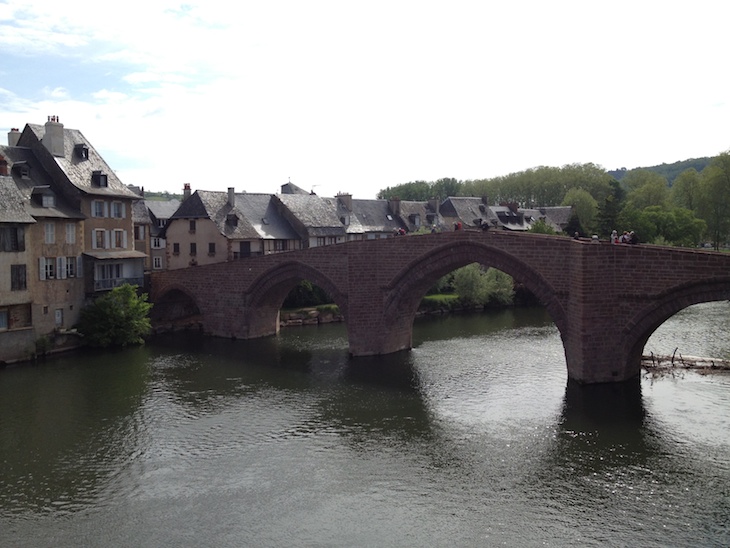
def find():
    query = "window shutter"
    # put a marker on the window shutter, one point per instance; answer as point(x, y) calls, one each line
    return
point(79, 267)
point(124, 239)
point(106, 209)
point(107, 245)
point(60, 268)
point(124, 210)
point(42, 268)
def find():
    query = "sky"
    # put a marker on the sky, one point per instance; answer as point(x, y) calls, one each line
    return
point(352, 96)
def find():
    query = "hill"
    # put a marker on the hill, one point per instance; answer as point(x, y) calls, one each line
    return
point(668, 171)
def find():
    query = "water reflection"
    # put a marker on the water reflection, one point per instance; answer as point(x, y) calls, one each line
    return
point(475, 437)
point(66, 428)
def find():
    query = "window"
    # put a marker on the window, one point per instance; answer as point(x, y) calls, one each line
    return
point(139, 232)
point(99, 179)
point(58, 317)
point(3, 320)
point(192, 227)
point(70, 233)
point(320, 241)
point(98, 208)
point(17, 277)
point(161, 223)
point(280, 245)
point(49, 200)
point(176, 249)
point(156, 263)
point(118, 210)
point(50, 231)
point(211, 248)
point(70, 267)
point(82, 151)
point(156, 243)
point(99, 239)
point(193, 248)
point(12, 238)
point(120, 239)
point(47, 268)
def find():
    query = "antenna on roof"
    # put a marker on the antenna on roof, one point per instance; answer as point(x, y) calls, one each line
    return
point(313, 187)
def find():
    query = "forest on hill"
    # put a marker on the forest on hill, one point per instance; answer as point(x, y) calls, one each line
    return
point(682, 204)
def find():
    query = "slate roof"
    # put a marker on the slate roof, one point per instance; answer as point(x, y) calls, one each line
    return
point(315, 214)
point(12, 203)
point(79, 171)
point(428, 217)
point(140, 214)
point(261, 212)
point(467, 210)
point(291, 188)
point(213, 205)
point(556, 216)
point(163, 209)
point(366, 217)
point(38, 183)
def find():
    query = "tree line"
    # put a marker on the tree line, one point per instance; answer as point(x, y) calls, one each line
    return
point(690, 208)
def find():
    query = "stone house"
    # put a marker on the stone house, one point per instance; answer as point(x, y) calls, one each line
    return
point(212, 227)
point(313, 218)
point(160, 212)
point(364, 219)
point(81, 177)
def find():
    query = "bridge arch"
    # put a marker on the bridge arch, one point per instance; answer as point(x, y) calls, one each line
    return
point(176, 304)
point(405, 291)
point(267, 292)
point(637, 332)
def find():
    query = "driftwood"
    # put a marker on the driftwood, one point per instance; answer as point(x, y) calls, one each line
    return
point(659, 362)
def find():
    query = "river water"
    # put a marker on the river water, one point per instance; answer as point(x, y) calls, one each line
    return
point(474, 438)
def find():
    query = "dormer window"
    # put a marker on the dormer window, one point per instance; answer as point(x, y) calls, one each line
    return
point(232, 219)
point(81, 151)
point(48, 200)
point(22, 170)
point(99, 179)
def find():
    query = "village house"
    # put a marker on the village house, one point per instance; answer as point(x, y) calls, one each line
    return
point(212, 227)
point(160, 212)
point(84, 180)
point(364, 219)
point(313, 218)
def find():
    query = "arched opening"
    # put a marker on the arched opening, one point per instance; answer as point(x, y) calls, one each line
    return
point(175, 309)
point(637, 333)
point(409, 287)
point(268, 293)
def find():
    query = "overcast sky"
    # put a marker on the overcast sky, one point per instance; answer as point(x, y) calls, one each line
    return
point(355, 96)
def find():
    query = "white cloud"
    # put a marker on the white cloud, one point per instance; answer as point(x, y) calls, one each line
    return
point(360, 96)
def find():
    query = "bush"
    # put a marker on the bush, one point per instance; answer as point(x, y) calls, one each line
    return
point(118, 318)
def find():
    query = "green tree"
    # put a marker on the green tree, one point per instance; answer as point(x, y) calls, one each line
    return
point(714, 199)
point(500, 287)
point(686, 188)
point(541, 227)
point(584, 206)
point(118, 318)
point(471, 285)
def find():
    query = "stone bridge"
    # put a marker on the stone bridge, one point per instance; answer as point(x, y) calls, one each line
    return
point(606, 300)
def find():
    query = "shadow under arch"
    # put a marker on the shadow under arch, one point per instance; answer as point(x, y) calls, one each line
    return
point(174, 305)
point(266, 294)
point(410, 285)
point(637, 331)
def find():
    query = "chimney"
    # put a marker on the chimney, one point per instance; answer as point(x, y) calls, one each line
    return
point(394, 206)
point(13, 137)
point(346, 201)
point(186, 191)
point(433, 203)
point(53, 138)
point(231, 196)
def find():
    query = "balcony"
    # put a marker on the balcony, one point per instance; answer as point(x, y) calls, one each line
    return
point(111, 283)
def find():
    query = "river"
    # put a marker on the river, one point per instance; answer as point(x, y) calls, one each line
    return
point(474, 438)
